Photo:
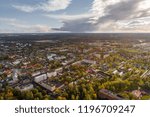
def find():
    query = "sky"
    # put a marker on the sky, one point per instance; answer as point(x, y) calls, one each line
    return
point(74, 16)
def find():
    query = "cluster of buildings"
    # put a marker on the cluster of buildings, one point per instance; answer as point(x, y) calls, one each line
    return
point(43, 79)
point(26, 65)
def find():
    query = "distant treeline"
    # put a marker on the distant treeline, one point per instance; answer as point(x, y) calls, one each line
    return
point(72, 36)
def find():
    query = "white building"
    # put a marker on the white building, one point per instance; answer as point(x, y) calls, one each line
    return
point(48, 87)
point(51, 56)
point(89, 61)
point(15, 75)
point(115, 72)
point(51, 74)
point(17, 62)
point(121, 73)
point(40, 78)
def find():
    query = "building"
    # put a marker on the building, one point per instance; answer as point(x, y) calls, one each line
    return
point(115, 72)
point(25, 87)
point(88, 61)
point(59, 70)
point(51, 74)
point(17, 62)
point(77, 63)
point(15, 75)
point(36, 73)
point(40, 78)
point(108, 95)
point(101, 74)
point(51, 57)
point(67, 62)
point(48, 87)
point(138, 93)
point(145, 74)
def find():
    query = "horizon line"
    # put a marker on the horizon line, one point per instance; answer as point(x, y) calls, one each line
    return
point(80, 33)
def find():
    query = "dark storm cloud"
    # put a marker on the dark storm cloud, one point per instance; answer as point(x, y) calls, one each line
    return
point(116, 14)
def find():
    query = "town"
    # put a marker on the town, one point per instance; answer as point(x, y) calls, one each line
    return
point(74, 67)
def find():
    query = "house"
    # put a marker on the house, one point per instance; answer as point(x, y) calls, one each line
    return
point(107, 94)
point(115, 72)
point(106, 55)
point(26, 63)
point(59, 70)
point(51, 56)
point(101, 74)
point(16, 62)
point(138, 93)
point(77, 63)
point(119, 72)
point(97, 55)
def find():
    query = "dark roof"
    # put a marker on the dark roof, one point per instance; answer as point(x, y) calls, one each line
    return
point(107, 94)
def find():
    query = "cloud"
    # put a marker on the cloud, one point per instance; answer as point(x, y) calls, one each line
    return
point(136, 24)
point(71, 23)
point(110, 16)
point(14, 25)
point(104, 16)
point(24, 8)
point(48, 6)
point(123, 11)
point(80, 25)
point(65, 17)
